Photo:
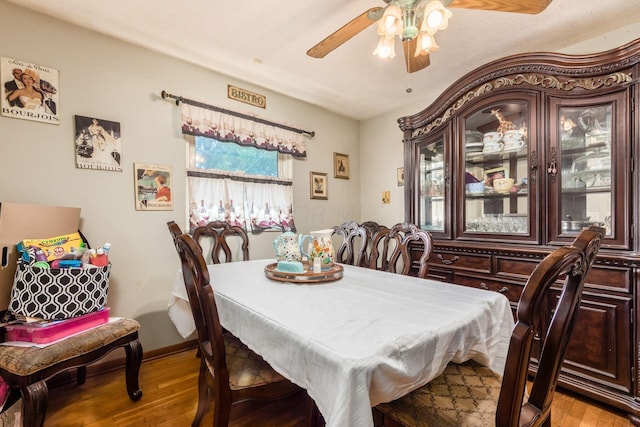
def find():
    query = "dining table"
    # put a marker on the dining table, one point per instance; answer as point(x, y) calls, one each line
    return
point(367, 338)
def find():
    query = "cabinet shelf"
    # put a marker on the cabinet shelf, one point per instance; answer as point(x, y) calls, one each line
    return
point(581, 151)
point(587, 190)
point(485, 195)
point(481, 158)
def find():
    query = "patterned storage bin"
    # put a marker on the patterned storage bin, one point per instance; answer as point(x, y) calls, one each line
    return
point(58, 293)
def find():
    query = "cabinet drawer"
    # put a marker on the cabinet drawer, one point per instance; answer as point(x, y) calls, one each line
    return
point(515, 267)
point(599, 277)
point(609, 278)
point(511, 290)
point(440, 275)
point(456, 261)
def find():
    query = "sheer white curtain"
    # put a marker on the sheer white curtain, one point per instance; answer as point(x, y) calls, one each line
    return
point(255, 206)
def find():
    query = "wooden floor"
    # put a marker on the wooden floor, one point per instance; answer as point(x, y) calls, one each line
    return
point(169, 386)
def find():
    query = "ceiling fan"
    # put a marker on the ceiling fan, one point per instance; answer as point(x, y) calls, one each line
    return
point(407, 19)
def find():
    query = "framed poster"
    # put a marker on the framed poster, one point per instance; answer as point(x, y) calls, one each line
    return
point(341, 165)
point(318, 185)
point(152, 187)
point(98, 144)
point(29, 91)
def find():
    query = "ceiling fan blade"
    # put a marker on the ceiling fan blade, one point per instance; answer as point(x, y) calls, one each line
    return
point(518, 6)
point(343, 34)
point(413, 63)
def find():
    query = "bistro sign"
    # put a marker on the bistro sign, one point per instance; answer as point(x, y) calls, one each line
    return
point(242, 95)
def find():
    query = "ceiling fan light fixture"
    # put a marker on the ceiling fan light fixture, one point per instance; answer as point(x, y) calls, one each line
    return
point(391, 22)
point(410, 30)
point(436, 17)
point(393, 25)
point(425, 43)
point(386, 47)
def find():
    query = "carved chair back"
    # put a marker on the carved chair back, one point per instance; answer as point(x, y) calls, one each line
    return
point(393, 249)
point(352, 242)
point(218, 238)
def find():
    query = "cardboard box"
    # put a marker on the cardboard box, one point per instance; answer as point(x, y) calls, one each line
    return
point(20, 221)
point(54, 247)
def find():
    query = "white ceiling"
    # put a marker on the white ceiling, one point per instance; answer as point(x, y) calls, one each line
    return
point(265, 42)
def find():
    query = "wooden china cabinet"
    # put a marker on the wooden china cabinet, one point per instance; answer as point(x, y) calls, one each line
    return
point(511, 161)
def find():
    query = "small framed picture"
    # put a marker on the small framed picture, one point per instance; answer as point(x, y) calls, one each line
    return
point(318, 185)
point(386, 197)
point(400, 174)
point(98, 144)
point(341, 165)
point(153, 185)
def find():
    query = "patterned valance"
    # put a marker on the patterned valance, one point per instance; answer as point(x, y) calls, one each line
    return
point(244, 131)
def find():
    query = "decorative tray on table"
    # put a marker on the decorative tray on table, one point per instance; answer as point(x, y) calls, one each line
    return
point(328, 274)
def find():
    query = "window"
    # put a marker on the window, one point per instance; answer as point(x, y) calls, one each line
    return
point(242, 185)
point(239, 168)
point(214, 154)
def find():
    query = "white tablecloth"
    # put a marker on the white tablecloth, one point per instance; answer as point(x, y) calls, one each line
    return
point(368, 338)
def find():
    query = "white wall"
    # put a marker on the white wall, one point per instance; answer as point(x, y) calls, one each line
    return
point(381, 139)
point(112, 80)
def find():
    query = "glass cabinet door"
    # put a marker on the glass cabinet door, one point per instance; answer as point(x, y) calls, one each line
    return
point(433, 186)
point(495, 152)
point(583, 185)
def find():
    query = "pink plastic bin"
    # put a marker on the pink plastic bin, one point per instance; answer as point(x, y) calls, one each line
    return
point(45, 333)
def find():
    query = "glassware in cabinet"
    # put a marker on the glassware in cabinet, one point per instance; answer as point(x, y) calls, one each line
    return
point(589, 144)
point(496, 181)
point(433, 180)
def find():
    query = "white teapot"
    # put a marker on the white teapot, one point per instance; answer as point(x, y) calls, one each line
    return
point(288, 246)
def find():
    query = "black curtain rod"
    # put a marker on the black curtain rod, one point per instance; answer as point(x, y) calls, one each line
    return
point(180, 99)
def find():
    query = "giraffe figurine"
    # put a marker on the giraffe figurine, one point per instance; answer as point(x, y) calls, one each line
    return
point(505, 124)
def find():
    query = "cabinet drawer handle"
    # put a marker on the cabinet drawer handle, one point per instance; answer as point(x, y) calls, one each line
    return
point(448, 261)
point(502, 290)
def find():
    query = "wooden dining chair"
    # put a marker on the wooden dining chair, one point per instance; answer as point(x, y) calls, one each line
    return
point(352, 248)
point(379, 250)
point(174, 229)
point(393, 250)
point(219, 234)
point(469, 394)
point(229, 371)
point(375, 232)
point(372, 226)
point(28, 369)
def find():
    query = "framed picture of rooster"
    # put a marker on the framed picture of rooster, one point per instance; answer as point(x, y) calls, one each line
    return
point(318, 185)
point(340, 165)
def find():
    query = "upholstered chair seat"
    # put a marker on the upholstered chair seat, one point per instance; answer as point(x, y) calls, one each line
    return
point(28, 360)
point(246, 368)
point(465, 395)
